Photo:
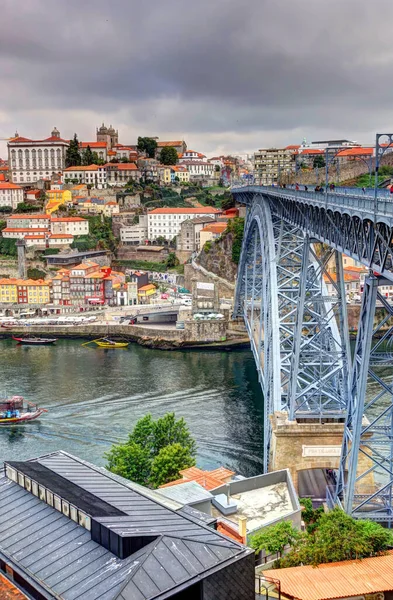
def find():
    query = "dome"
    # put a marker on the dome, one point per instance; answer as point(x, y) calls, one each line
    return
point(55, 132)
point(103, 130)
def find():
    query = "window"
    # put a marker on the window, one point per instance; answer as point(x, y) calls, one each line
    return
point(34, 488)
point(49, 498)
point(42, 493)
point(57, 503)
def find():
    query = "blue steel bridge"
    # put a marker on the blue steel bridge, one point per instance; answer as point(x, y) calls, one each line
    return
point(299, 334)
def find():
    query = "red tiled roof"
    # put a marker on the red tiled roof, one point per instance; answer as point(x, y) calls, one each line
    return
point(20, 139)
point(165, 144)
point(21, 229)
point(24, 216)
point(292, 147)
point(8, 591)
point(185, 211)
point(216, 227)
point(83, 168)
point(312, 151)
point(93, 144)
point(356, 152)
point(5, 185)
point(53, 138)
point(67, 219)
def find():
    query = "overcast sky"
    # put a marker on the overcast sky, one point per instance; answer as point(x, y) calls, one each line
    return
point(225, 75)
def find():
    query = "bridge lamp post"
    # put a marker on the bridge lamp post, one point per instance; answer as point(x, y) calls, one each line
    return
point(369, 165)
point(383, 141)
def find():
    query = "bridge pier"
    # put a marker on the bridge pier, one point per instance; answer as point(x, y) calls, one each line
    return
point(310, 445)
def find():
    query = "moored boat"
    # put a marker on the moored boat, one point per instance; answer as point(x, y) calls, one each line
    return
point(107, 343)
point(34, 341)
point(17, 410)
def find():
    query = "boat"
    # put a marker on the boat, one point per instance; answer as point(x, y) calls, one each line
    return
point(34, 341)
point(107, 343)
point(17, 410)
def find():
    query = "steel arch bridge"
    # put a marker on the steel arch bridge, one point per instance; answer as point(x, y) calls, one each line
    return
point(299, 334)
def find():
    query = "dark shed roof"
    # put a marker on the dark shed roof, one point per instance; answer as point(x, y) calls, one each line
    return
point(62, 557)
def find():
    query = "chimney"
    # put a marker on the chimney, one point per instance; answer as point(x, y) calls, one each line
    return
point(243, 527)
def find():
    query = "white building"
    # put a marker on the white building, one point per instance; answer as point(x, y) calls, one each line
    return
point(165, 222)
point(32, 160)
point(99, 147)
point(94, 175)
point(192, 155)
point(10, 194)
point(118, 174)
point(135, 234)
point(70, 225)
point(199, 169)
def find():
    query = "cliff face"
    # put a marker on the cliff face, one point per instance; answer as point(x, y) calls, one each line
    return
point(218, 258)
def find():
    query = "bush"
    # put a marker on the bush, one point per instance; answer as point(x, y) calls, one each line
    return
point(5, 209)
point(236, 227)
point(24, 207)
point(8, 247)
point(207, 246)
point(34, 273)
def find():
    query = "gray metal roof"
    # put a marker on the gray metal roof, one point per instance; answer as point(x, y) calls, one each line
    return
point(186, 493)
point(60, 555)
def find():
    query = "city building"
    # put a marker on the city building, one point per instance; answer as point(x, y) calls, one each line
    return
point(96, 206)
point(198, 170)
point(101, 148)
point(192, 155)
point(188, 238)
point(134, 234)
point(107, 135)
point(86, 283)
point(24, 291)
point(179, 173)
point(180, 146)
point(10, 194)
point(80, 532)
point(166, 222)
point(138, 279)
point(146, 293)
point(211, 232)
point(57, 197)
point(273, 165)
point(45, 231)
point(95, 175)
point(124, 152)
point(118, 174)
point(33, 160)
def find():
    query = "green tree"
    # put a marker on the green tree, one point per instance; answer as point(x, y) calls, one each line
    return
point(172, 260)
point(8, 247)
point(228, 202)
point(318, 161)
point(148, 145)
point(168, 155)
point(3, 225)
point(24, 207)
point(87, 156)
point(337, 537)
point(310, 515)
point(5, 209)
point(124, 159)
point(169, 461)
point(275, 538)
point(34, 273)
point(155, 451)
point(73, 156)
point(236, 227)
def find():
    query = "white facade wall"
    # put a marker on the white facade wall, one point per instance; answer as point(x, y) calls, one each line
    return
point(199, 170)
point(71, 227)
point(167, 225)
point(31, 161)
point(10, 197)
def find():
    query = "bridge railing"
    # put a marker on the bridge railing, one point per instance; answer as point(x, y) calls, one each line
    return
point(351, 198)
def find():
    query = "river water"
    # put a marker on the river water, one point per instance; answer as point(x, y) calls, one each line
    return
point(95, 396)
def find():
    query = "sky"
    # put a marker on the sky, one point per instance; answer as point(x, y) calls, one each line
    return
point(227, 76)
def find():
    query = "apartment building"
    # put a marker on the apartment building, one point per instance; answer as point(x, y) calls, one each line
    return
point(10, 194)
point(94, 175)
point(24, 291)
point(135, 234)
point(273, 165)
point(166, 222)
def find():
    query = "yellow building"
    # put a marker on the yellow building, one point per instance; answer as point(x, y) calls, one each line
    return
point(146, 292)
point(38, 291)
point(24, 291)
point(8, 291)
point(56, 198)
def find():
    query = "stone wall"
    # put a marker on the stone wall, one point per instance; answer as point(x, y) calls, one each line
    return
point(136, 253)
point(122, 220)
point(226, 289)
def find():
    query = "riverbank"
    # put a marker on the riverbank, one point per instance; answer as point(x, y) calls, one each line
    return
point(161, 338)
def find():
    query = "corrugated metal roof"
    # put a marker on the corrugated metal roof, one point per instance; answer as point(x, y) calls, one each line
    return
point(337, 580)
point(61, 555)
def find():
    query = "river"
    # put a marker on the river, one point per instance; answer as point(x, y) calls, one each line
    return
point(95, 396)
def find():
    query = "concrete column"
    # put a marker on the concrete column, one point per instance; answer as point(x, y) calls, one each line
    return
point(21, 248)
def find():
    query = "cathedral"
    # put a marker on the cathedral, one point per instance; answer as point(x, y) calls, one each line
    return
point(108, 135)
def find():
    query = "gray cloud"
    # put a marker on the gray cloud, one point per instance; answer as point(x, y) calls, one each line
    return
point(226, 75)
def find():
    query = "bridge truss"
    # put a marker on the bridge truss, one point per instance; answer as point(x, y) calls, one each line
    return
point(299, 334)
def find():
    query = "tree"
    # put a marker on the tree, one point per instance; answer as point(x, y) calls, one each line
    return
point(169, 461)
point(172, 260)
point(124, 159)
point(73, 157)
point(318, 161)
point(274, 539)
point(3, 225)
point(217, 168)
point(24, 207)
point(155, 451)
point(87, 156)
point(148, 145)
point(168, 155)
point(161, 240)
point(228, 202)
point(5, 209)
point(34, 273)
point(357, 539)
